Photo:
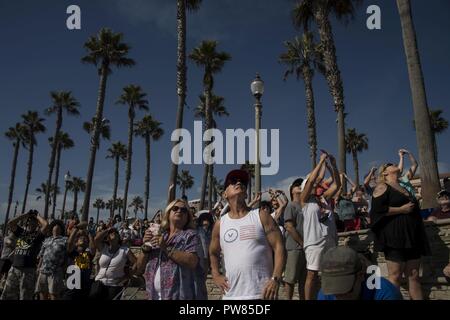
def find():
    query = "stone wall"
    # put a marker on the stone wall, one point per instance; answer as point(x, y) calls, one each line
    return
point(435, 285)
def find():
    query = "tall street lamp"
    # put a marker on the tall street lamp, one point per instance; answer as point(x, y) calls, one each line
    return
point(257, 88)
point(67, 180)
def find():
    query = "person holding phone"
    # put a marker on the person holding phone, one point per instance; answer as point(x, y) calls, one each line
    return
point(170, 264)
point(398, 229)
point(21, 279)
point(319, 226)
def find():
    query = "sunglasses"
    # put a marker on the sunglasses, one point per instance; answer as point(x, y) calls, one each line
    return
point(235, 181)
point(181, 209)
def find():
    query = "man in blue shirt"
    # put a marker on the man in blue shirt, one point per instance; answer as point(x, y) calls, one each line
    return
point(344, 278)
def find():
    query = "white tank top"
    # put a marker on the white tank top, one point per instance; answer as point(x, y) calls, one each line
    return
point(247, 255)
point(112, 266)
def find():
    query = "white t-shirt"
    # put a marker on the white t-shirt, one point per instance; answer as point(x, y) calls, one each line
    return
point(112, 266)
point(315, 231)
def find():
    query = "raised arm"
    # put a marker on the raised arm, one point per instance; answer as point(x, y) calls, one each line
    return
point(414, 165)
point(351, 183)
point(282, 203)
point(337, 180)
point(98, 240)
point(369, 177)
point(72, 239)
point(255, 200)
point(312, 179)
point(401, 154)
point(12, 224)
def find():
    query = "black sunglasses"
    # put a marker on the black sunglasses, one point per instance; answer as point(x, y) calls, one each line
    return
point(181, 209)
point(234, 181)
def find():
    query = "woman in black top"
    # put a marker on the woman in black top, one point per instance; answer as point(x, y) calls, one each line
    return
point(399, 230)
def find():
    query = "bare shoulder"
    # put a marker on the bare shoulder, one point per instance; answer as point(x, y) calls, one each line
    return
point(380, 189)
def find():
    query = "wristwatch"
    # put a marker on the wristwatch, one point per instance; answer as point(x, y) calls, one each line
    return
point(276, 279)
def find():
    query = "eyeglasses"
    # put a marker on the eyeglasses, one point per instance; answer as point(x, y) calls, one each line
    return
point(181, 209)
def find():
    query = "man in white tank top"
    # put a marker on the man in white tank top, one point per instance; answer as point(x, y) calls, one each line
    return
point(251, 245)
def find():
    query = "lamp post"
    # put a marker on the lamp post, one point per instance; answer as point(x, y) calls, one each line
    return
point(67, 179)
point(257, 88)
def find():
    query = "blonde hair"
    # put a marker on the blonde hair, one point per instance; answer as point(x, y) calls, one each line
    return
point(165, 225)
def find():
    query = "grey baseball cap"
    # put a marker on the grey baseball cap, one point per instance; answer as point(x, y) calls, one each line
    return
point(339, 268)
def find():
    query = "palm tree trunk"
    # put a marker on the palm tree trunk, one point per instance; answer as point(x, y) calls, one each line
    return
point(11, 183)
point(58, 161)
point(181, 85)
point(206, 167)
point(51, 165)
point(356, 167)
point(116, 184)
point(29, 171)
point(98, 215)
point(210, 186)
point(129, 158)
point(334, 80)
point(96, 138)
point(428, 167)
point(311, 118)
point(147, 174)
point(435, 149)
point(75, 202)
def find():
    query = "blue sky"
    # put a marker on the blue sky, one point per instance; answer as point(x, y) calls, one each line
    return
point(39, 54)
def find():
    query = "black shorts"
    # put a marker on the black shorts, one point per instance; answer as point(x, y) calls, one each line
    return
point(401, 255)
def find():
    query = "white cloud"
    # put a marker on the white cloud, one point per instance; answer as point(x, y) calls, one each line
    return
point(280, 185)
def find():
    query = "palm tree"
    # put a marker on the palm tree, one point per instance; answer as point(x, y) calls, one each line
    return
point(110, 206)
point(250, 169)
point(62, 100)
point(105, 130)
point(33, 125)
point(43, 190)
point(134, 98)
point(301, 58)
point(118, 151)
point(77, 185)
point(438, 125)
point(64, 142)
point(192, 5)
point(206, 56)
point(217, 108)
point(149, 129)
point(99, 204)
point(320, 10)
point(119, 205)
point(428, 163)
point(16, 135)
point(185, 181)
point(355, 142)
point(106, 50)
point(137, 204)
point(218, 187)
